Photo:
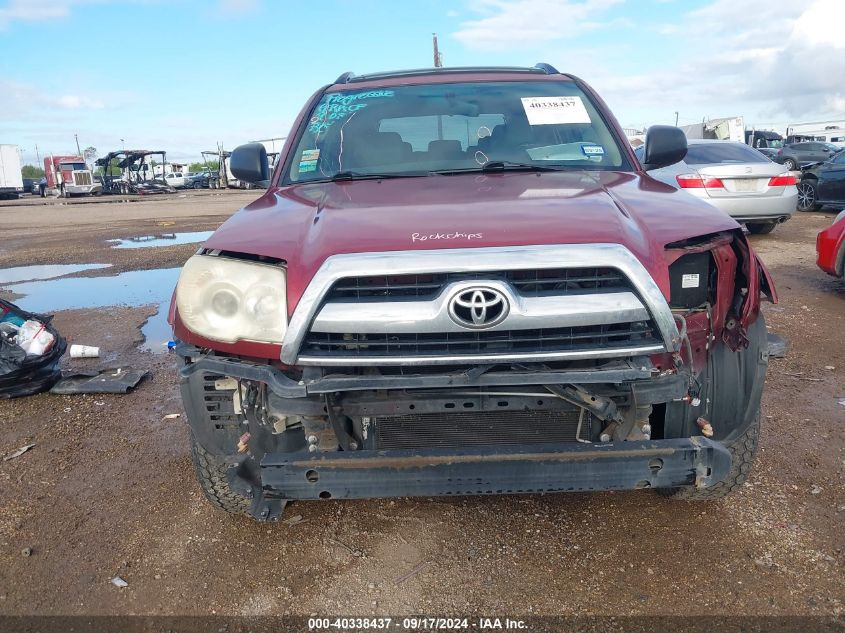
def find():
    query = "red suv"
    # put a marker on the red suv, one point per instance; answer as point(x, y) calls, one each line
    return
point(461, 281)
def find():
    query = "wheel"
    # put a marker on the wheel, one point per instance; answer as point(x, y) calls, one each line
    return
point(197, 185)
point(742, 449)
point(790, 164)
point(211, 474)
point(761, 228)
point(807, 196)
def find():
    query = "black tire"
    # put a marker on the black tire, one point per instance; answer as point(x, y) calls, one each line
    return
point(761, 228)
point(211, 474)
point(807, 196)
point(743, 450)
point(790, 164)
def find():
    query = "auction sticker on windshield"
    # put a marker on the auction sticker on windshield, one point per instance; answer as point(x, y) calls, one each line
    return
point(555, 110)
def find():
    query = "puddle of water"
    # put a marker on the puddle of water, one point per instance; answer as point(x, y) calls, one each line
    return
point(47, 271)
point(162, 239)
point(156, 330)
point(133, 288)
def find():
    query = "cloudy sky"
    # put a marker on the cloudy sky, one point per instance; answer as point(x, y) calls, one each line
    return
point(184, 75)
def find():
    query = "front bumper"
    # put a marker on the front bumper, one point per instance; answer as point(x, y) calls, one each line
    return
point(829, 253)
point(694, 461)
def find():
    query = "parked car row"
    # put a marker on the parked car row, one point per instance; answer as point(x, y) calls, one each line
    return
point(192, 180)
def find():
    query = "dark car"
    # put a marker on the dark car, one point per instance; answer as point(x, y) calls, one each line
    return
point(823, 184)
point(795, 155)
point(769, 152)
point(201, 180)
point(461, 281)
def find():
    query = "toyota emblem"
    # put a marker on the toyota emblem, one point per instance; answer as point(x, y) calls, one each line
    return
point(478, 307)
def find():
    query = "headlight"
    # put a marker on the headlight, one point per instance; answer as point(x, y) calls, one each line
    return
point(229, 300)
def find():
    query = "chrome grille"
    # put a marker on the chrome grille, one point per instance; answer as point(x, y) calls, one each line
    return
point(530, 282)
point(82, 177)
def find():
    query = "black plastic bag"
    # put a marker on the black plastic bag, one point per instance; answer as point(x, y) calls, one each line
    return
point(22, 375)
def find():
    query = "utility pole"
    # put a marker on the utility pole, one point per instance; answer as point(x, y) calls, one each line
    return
point(37, 156)
point(438, 56)
point(676, 118)
point(78, 151)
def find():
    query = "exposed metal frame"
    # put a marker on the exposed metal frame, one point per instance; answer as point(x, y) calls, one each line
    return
point(472, 260)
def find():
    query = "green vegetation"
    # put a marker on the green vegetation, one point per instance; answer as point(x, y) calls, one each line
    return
point(213, 165)
point(31, 171)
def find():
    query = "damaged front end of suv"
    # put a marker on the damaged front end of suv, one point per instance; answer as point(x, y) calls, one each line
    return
point(579, 329)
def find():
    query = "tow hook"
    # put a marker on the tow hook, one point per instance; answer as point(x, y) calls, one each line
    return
point(705, 426)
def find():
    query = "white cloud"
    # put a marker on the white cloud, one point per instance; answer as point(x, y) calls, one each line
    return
point(34, 11)
point(530, 22)
point(238, 7)
point(75, 102)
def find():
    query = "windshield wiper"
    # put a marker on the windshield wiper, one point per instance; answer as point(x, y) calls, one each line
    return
point(502, 165)
point(357, 175)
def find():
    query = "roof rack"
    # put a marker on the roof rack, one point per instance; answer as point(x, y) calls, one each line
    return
point(541, 68)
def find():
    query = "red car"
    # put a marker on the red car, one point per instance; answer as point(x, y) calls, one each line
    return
point(830, 246)
point(462, 281)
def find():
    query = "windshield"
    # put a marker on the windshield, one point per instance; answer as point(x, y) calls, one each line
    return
point(73, 166)
point(416, 130)
point(714, 153)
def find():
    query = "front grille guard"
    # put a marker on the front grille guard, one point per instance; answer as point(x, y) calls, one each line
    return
point(475, 260)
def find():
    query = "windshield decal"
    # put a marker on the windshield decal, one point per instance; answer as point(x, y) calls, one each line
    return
point(339, 106)
point(418, 237)
point(555, 110)
point(308, 160)
point(592, 150)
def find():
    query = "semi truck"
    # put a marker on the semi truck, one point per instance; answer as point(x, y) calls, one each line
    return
point(69, 176)
point(11, 181)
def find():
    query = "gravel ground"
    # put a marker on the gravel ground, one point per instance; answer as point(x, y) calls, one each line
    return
point(108, 490)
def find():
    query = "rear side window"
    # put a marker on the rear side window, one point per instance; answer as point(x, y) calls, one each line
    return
point(714, 153)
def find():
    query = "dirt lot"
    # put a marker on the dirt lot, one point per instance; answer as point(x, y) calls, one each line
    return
point(108, 490)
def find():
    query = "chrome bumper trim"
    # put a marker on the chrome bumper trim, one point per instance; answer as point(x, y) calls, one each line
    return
point(355, 361)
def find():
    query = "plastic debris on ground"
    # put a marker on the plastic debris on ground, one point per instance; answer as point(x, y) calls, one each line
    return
point(116, 380)
point(777, 345)
point(19, 452)
point(30, 349)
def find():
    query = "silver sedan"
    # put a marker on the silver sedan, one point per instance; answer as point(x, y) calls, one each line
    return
point(737, 179)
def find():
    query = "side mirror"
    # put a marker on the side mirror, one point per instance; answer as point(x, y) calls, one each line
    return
point(664, 145)
point(249, 163)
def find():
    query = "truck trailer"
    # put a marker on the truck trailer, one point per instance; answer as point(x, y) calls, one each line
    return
point(11, 181)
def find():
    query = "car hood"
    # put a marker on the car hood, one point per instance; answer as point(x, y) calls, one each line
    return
point(305, 224)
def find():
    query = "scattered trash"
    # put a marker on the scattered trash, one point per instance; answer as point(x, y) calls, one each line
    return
point(777, 345)
point(171, 344)
point(19, 452)
point(705, 426)
point(115, 380)
point(417, 569)
point(30, 349)
point(117, 581)
point(243, 443)
point(815, 490)
point(99, 403)
point(26, 552)
point(172, 416)
point(294, 520)
point(84, 351)
point(355, 552)
point(830, 367)
point(842, 401)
